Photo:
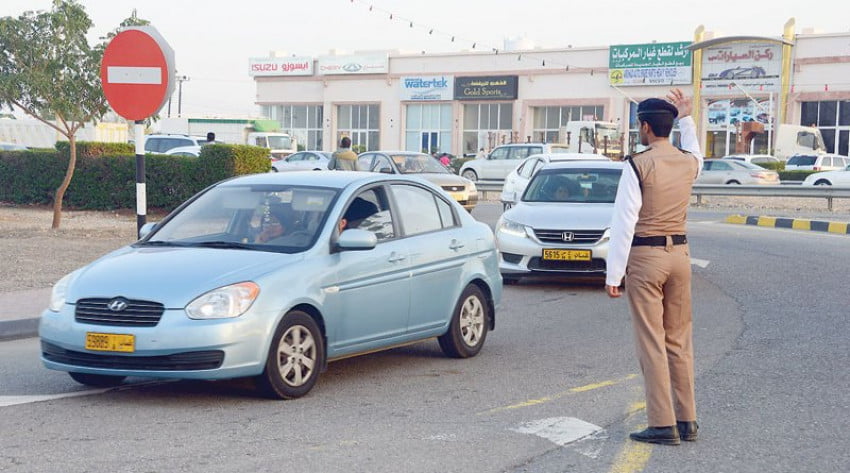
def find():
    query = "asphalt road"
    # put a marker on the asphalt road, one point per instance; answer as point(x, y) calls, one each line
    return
point(555, 389)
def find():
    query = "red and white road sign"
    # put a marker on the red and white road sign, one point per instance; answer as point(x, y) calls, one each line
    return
point(137, 72)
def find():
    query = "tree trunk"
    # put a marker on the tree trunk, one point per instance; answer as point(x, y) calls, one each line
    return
point(60, 192)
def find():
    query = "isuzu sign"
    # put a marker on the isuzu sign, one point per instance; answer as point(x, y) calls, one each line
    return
point(137, 72)
point(280, 66)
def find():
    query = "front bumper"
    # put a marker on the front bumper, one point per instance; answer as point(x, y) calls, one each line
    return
point(524, 257)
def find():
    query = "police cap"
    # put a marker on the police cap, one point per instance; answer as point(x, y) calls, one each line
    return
point(656, 106)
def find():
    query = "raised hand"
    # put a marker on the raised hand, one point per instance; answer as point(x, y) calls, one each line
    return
point(683, 103)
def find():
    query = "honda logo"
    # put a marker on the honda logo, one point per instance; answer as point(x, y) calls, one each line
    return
point(567, 236)
point(117, 305)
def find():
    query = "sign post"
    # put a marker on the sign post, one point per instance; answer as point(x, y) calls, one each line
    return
point(137, 73)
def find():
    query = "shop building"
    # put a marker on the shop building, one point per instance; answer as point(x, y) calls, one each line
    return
point(461, 102)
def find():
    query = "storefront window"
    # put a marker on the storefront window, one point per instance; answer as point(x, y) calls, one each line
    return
point(303, 122)
point(360, 123)
point(833, 120)
point(549, 120)
point(487, 125)
point(428, 128)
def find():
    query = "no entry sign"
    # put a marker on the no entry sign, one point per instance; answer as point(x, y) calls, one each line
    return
point(137, 72)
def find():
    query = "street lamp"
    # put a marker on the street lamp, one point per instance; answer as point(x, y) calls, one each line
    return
point(180, 81)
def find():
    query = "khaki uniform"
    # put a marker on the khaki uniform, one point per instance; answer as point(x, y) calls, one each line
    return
point(658, 284)
point(343, 160)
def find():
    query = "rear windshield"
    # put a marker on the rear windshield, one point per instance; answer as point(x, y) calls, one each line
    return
point(801, 160)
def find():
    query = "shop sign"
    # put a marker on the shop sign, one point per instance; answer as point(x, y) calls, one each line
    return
point(280, 66)
point(427, 88)
point(355, 64)
point(650, 64)
point(486, 88)
point(728, 114)
point(752, 66)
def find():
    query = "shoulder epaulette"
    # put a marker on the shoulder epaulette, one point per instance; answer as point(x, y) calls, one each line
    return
point(629, 159)
point(684, 151)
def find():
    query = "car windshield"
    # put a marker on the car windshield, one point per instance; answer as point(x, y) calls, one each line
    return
point(257, 217)
point(418, 163)
point(573, 185)
point(802, 160)
point(280, 142)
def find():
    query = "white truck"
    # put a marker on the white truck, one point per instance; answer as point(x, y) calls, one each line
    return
point(32, 133)
point(591, 136)
point(797, 139)
point(252, 131)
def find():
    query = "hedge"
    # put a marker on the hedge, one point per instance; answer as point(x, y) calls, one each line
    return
point(105, 174)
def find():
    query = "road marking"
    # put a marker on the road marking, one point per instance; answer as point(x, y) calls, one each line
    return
point(559, 430)
point(702, 263)
point(576, 390)
point(635, 455)
point(6, 401)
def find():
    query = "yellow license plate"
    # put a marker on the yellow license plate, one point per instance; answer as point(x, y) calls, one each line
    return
point(457, 195)
point(110, 342)
point(566, 255)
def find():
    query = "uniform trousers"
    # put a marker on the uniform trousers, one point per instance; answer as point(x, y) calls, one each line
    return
point(658, 286)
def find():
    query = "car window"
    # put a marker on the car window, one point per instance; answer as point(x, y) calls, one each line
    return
point(528, 167)
point(418, 210)
point(295, 157)
point(310, 157)
point(720, 166)
point(521, 170)
point(382, 164)
point(826, 161)
point(520, 152)
point(447, 217)
point(802, 160)
point(364, 161)
point(370, 211)
point(500, 153)
point(537, 165)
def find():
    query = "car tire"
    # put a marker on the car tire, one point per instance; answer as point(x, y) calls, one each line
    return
point(295, 358)
point(470, 174)
point(469, 325)
point(823, 182)
point(97, 380)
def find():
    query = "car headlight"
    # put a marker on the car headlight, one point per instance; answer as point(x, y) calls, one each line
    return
point(60, 289)
point(224, 302)
point(512, 228)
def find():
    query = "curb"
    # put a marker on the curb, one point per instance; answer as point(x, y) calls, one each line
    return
point(841, 228)
point(20, 328)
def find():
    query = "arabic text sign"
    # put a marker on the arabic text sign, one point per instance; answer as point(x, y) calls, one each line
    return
point(280, 66)
point(355, 64)
point(486, 88)
point(427, 88)
point(753, 66)
point(647, 64)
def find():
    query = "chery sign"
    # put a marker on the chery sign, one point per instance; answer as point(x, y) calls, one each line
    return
point(137, 72)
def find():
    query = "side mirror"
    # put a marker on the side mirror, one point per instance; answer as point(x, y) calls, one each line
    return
point(385, 170)
point(355, 239)
point(146, 229)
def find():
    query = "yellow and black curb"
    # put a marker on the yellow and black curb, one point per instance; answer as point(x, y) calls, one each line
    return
point(792, 223)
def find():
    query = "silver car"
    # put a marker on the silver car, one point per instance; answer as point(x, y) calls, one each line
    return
point(303, 161)
point(728, 171)
point(561, 225)
point(273, 275)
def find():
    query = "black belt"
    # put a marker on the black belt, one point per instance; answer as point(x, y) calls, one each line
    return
point(660, 240)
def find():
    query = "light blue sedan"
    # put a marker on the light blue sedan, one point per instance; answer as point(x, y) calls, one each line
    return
point(272, 276)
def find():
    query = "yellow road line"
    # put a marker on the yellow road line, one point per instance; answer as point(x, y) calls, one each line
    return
point(576, 390)
point(635, 455)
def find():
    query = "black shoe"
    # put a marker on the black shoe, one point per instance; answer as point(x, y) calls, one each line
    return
point(687, 430)
point(661, 435)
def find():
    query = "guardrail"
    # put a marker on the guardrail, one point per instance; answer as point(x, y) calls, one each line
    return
point(815, 192)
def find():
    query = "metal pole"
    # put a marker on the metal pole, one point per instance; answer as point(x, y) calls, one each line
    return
point(141, 193)
point(179, 96)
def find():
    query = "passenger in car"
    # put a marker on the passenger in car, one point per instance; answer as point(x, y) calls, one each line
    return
point(275, 223)
point(359, 210)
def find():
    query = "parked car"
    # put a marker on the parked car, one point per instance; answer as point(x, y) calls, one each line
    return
point(756, 159)
point(517, 180)
point(728, 171)
point(12, 147)
point(364, 262)
point(829, 178)
point(499, 163)
point(424, 165)
point(191, 151)
point(303, 161)
point(161, 143)
point(561, 225)
point(817, 162)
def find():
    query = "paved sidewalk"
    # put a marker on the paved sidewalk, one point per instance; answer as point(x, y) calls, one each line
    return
point(20, 311)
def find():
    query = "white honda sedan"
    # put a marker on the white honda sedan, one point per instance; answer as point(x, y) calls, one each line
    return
point(517, 180)
point(561, 225)
point(829, 178)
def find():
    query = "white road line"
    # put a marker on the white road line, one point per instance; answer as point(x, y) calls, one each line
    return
point(6, 401)
point(559, 430)
point(702, 263)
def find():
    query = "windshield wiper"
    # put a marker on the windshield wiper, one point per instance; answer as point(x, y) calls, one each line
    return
point(160, 243)
point(224, 244)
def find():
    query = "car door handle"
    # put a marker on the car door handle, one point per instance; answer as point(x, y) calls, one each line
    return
point(455, 245)
point(395, 258)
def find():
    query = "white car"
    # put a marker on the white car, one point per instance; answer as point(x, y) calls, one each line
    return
point(190, 151)
point(817, 162)
point(561, 225)
point(728, 171)
point(12, 147)
point(303, 161)
point(162, 143)
point(829, 178)
point(499, 163)
point(757, 159)
point(517, 180)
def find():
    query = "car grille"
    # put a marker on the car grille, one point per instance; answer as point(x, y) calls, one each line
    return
point(579, 236)
point(189, 361)
point(453, 188)
point(137, 313)
point(595, 265)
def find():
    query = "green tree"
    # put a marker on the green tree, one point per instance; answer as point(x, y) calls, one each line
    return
point(49, 70)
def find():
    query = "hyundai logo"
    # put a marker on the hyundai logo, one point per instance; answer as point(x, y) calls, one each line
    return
point(567, 236)
point(117, 305)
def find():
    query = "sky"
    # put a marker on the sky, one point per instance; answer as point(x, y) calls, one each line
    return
point(213, 39)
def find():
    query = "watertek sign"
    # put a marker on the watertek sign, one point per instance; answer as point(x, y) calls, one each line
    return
point(280, 66)
point(355, 64)
point(752, 66)
point(427, 88)
point(649, 64)
point(486, 88)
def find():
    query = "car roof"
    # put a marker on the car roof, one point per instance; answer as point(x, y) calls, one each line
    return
point(570, 156)
point(382, 151)
point(584, 165)
point(332, 179)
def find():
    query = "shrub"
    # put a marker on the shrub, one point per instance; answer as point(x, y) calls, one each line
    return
point(95, 149)
point(780, 166)
point(794, 175)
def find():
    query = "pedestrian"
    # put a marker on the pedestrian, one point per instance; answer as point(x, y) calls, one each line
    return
point(343, 159)
point(649, 247)
point(210, 138)
point(445, 160)
point(481, 154)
